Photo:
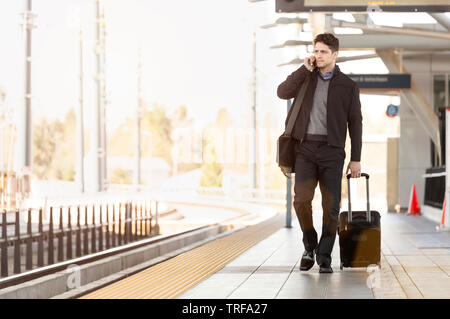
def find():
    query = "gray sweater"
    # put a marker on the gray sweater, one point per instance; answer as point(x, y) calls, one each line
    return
point(318, 116)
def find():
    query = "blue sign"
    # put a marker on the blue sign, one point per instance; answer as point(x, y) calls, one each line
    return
point(392, 110)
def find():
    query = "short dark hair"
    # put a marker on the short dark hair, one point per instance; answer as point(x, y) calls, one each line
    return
point(328, 39)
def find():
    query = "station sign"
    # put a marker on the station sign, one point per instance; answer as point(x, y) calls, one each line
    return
point(382, 81)
point(362, 5)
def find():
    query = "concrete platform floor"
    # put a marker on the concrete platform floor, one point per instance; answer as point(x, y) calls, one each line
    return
point(415, 263)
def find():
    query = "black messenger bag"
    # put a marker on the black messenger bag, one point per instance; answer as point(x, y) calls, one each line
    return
point(286, 143)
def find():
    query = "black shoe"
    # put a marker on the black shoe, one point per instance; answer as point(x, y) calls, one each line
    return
point(307, 260)
point(325, 270)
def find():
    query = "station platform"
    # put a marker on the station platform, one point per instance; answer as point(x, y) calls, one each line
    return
point(415, 264)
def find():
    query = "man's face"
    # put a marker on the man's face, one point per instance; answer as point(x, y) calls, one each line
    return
point(324, 56)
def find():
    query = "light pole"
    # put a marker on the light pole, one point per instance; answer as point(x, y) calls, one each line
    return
point(253, 137)
point(137, 175)
point(80, 127)
point(25, 128)
point(99, 140)
point(75, 24)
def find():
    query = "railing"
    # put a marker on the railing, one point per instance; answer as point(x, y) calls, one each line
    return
point(14, 188)
point(435, 186)
point(66, 232)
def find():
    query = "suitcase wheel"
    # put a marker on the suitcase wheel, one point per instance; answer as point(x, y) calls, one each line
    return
point(342, 266)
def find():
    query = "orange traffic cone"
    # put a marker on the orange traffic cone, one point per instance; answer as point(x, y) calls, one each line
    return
point(414, 208)
point(442, 225)
point(443, 213)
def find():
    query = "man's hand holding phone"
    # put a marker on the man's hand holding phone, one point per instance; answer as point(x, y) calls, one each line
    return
point(310, 63)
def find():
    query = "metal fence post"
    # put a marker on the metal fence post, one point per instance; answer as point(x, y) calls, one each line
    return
point(130, 222)
point(78, 233)
point(107, 227)
point(146, 218)
point(69, 233)
point(17, 244)
point(125, 222)
point(156, 219)
point(93, 241)
point(29, 258)
point(40, 262)
point(135, 235)
point(120, 223)
point(141, 229)
point(50, 239)
point(113, 244)
point(4, 246)
point(150, 218)
point(100, 233)
point(86, 231)
point(60, 236)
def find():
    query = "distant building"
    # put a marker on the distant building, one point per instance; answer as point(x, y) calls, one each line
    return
point(231, 144)
point(154, 170)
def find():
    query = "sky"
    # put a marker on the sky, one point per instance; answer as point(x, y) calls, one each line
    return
point(196, 53)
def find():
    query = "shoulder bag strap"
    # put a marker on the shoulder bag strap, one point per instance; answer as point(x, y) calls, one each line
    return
point(296, 106)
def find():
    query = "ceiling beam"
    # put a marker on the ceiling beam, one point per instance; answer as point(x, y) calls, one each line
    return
point(386, 41)
point(442, 19)
point(392, 30)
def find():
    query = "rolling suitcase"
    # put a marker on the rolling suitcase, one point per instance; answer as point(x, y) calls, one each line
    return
point(359, 234)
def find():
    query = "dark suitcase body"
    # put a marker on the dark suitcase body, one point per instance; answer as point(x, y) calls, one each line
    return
point(359, 234)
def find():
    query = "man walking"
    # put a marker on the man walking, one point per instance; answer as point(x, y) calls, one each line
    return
point(331, 103)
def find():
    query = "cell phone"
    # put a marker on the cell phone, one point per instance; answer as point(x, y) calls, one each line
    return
point(314, 64)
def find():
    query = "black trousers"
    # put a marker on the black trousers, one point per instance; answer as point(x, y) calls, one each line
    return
point(318, 162)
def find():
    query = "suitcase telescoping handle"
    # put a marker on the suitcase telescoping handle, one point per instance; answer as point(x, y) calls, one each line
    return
point(367, 192)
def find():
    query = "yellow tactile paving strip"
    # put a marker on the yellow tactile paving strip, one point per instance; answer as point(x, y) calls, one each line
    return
point(173, 277)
